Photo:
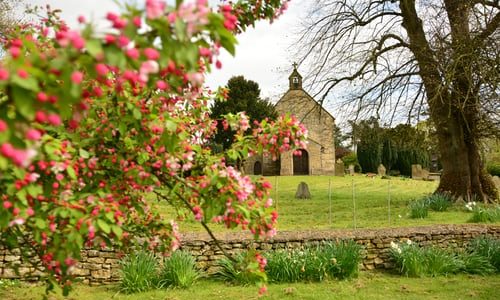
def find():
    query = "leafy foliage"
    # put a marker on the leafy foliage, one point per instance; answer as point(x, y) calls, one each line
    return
point(438, 201)
point(90, 123)
point(243, 96)
point(179, 270)
point(138, 273)
point(236, 271)
point(487, 247)
point(418, 209)
point(482, 214)
point(313, 264)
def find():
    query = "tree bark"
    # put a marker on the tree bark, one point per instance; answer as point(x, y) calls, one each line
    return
point(453, 110)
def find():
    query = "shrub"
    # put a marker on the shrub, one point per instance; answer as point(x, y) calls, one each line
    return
point(418, 209)
point(485, 215)
point(493, 168)
point(414, 261)
point(352, 159)
point(346, 259)
point(237, 271)
point(440, 262)
point(474, 263)
point(487, 247)
point(314, 263)
point(284, 266)
point(408, 259)
point(138, 273)
point(438, 201)
point(179, 270)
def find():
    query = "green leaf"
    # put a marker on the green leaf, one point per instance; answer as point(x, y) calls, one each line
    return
point(94, 48)
point(136, 113)
point(117, 231)
point(83, 153)
point(24, 102)
point(40, 223)
point(29, 83)
point(71, 172)
point(103, 226)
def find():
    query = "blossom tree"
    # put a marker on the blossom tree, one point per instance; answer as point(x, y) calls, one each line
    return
point(90, 125)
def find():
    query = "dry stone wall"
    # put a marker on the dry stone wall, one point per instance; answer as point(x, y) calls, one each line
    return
point(102, 266)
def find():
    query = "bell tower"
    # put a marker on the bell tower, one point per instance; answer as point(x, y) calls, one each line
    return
point(295, 79)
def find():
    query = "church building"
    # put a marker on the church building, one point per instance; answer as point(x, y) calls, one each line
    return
point(319, 157)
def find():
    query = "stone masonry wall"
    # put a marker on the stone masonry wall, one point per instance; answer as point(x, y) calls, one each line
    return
point(102, 266)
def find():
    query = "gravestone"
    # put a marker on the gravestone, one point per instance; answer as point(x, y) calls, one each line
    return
point(351, 170)
point(339, 168)
point(302, 191)
point(496, 181)
point(381, 170)
point(416, 171)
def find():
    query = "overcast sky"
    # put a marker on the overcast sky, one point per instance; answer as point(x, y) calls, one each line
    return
point(262, 54)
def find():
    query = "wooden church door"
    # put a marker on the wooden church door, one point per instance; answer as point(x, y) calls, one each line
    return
point(301, 163)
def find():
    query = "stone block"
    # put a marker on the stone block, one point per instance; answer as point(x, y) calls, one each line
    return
point(100, 274)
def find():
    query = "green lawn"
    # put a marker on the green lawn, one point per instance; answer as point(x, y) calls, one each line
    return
point(369, 285)
point(371, 195)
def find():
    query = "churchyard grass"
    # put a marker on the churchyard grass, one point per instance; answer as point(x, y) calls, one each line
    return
point(369, 285)
point(370, 210)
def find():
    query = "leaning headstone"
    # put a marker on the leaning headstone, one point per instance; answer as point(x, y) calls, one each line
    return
point(339, 169)
point(381, 170)
point(351, 169)
point(416, 171)
point(496, 181)
point(303, 191)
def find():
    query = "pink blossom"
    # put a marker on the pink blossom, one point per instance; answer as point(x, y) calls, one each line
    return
point(3, 126)
point(18, 221)
point(42, 97)
point(154, 8)
point(22, 73)
point(77, 77)
point(133, 53)
point(30, 212)
point(101, 69)
point(40, 117)
point(137, 22)
point(7, 204)
point(81, 19)
point(4, 74)
point(161, 85)
point(54, 119)
point(123, 41)
point(33, 134)
point(15, 52)
point(196, 79)
point(151, 53)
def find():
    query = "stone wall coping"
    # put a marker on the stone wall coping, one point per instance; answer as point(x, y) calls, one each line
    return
point(333, 234)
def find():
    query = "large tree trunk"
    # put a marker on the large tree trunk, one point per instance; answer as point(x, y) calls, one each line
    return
point(463, 173)
point(453, 107)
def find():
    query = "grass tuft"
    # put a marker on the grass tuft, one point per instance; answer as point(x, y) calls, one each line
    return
point(418, 209)
point(485, 215)
point(439, 202)
point(179, 270)
point(138, 273)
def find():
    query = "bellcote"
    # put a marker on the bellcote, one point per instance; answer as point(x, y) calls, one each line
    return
point(295, 79)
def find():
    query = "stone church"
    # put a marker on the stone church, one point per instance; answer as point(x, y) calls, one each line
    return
point(319, 157)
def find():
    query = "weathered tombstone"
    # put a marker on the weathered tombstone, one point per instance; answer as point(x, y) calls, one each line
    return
point(416, 171)
point(381, 170)
point(339, 168)
point(351, 170)
point(424, 174)
point(496, 181)
point(302, 191)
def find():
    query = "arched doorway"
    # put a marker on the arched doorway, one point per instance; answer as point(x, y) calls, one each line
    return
point(257, 168)
point(301, 163)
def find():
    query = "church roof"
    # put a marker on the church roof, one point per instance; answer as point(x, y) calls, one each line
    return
point(297, 91)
